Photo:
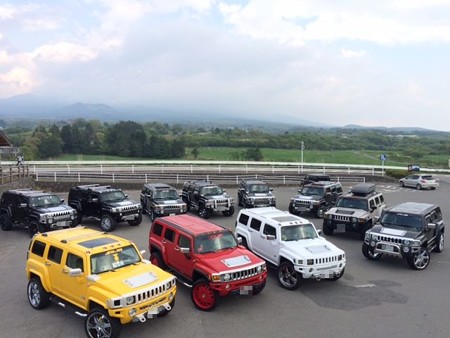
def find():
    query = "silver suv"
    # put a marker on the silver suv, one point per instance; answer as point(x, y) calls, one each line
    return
point(419, 181)
point(355, 211)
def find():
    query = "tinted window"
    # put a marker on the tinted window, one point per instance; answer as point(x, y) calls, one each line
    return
point(255, 224)
point(270, 230)
point(74, 261)
point(169, 235)
point(55, 254)
point(157, 229)
point(243, 219)
point(38, 248)
point(184, 242)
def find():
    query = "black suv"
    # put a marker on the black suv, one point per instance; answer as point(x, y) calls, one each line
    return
point(108, 204)
point(160, 199)
point(206, 197)
point(316, 198)
point(410, 231)
point(254, 193)
point(37, 211)
point(355, 211)
point(311, 178)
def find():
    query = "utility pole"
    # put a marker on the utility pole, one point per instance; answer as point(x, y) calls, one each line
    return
point(302, 147)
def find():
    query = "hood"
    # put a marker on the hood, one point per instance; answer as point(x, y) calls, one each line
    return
point(347, 212)
point(131, 278)
point(58, 208)
point(308, 198)
point(229, 259)
point(124, 203)
point(312, 248)
point(406, 233)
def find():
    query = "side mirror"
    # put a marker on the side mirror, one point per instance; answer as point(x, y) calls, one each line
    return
point(143, 252)
point(185, 250)
point(431, 226)
point(239, 240)
point(62, 201)
point(75, 272)
point(94, 200)
point(319, 232)
point(270, 237)
point(22, 205)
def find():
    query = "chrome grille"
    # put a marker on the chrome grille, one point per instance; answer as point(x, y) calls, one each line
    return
point(60, 215)
point(128, 208)
point(174, 207)
point(326, 260)
point(153, 292)
point(341, 218)
point(390, 239)
point(302, 203)
point(243, 274)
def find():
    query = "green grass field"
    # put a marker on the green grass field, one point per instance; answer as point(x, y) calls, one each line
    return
point(289, 155)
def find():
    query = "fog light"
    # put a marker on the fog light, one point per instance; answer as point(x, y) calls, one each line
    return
point(227, 286)
point(406, 249)
point(132, 312)
point(372, 243)
point(311, 269)
point(170, 296)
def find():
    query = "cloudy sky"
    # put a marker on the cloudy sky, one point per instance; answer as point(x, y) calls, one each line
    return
point(383, 62)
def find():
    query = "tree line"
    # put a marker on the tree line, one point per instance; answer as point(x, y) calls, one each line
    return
point(155, 140)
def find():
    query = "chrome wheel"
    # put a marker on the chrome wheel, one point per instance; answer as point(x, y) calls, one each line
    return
point(420, 260)
point(98, 324)
point(288, 277)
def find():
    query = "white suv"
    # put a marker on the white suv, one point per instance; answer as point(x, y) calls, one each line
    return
point(290, 243)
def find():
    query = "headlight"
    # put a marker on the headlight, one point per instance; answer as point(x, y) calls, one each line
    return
point(354, 220)
point(114, 210)
point(310, 261)
point(226, 277)
point(129, 300)
point(407, 242)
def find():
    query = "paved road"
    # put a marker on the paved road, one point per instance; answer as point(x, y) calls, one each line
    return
point(373, 299)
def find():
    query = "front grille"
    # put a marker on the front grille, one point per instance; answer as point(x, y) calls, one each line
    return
point(222, 202)
point(390, 239)
point(153, 292)
point(302, 203)
point(341, 218)
point(326, 260)
point(129, 208)
point(262, 201)
point(243, 274)
point(60, 215)
point(174, 207)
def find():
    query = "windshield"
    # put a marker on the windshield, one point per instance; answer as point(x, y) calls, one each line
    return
point(352, 203)
point(211, 191)
point(298, 232)
point(258, 188)
point(312, 191)
point(45, 201)
point(392, 220)
point(215, 242)
point(166, 194)
point(111, 196)
point(114, 259)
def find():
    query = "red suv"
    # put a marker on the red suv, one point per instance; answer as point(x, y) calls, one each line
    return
point(206, 257)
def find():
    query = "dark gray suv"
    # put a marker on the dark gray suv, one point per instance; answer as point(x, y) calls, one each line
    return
point(410, 231)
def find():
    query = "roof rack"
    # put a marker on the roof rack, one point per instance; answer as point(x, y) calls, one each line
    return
point(363, 189)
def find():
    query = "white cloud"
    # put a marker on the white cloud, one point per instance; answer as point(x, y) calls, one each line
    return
point(348, 53)
point(64, 52)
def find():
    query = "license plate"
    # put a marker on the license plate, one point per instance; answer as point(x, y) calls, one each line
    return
point(62, 224)
point(172, 214)
point(388, 248)
point(340, 227)
point(129, 218)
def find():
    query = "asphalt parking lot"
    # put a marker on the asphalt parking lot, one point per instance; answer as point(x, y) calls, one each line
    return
point(382, 298)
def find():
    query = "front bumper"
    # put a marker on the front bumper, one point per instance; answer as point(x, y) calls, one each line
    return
point(393, 249)
point(324, 271)
point(239, 286)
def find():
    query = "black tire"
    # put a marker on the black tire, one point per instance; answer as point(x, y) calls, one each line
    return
point(258, 288)
point(79, 217)
point(5, 222)
point(420, 260)
point(98, 321)
point(327, 230)
point(320, 211)
point(204, 212)
point(362, 232)
point(156, 259)
point(418, 187)
point(33, 229)
point(369, 254)
point(152, 215)
point(165, 312)
point(228, 212)
point(144, 208)
point(38, 297)
point(136, 221)
point(288, 278)
point(440, 242)
point(402, 184)
point(291, 209)
point(203, 297)
point(108, 223)
point(244, 243)
point(240, 204)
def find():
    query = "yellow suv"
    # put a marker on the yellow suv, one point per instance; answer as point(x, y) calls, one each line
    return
point(99, 276)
